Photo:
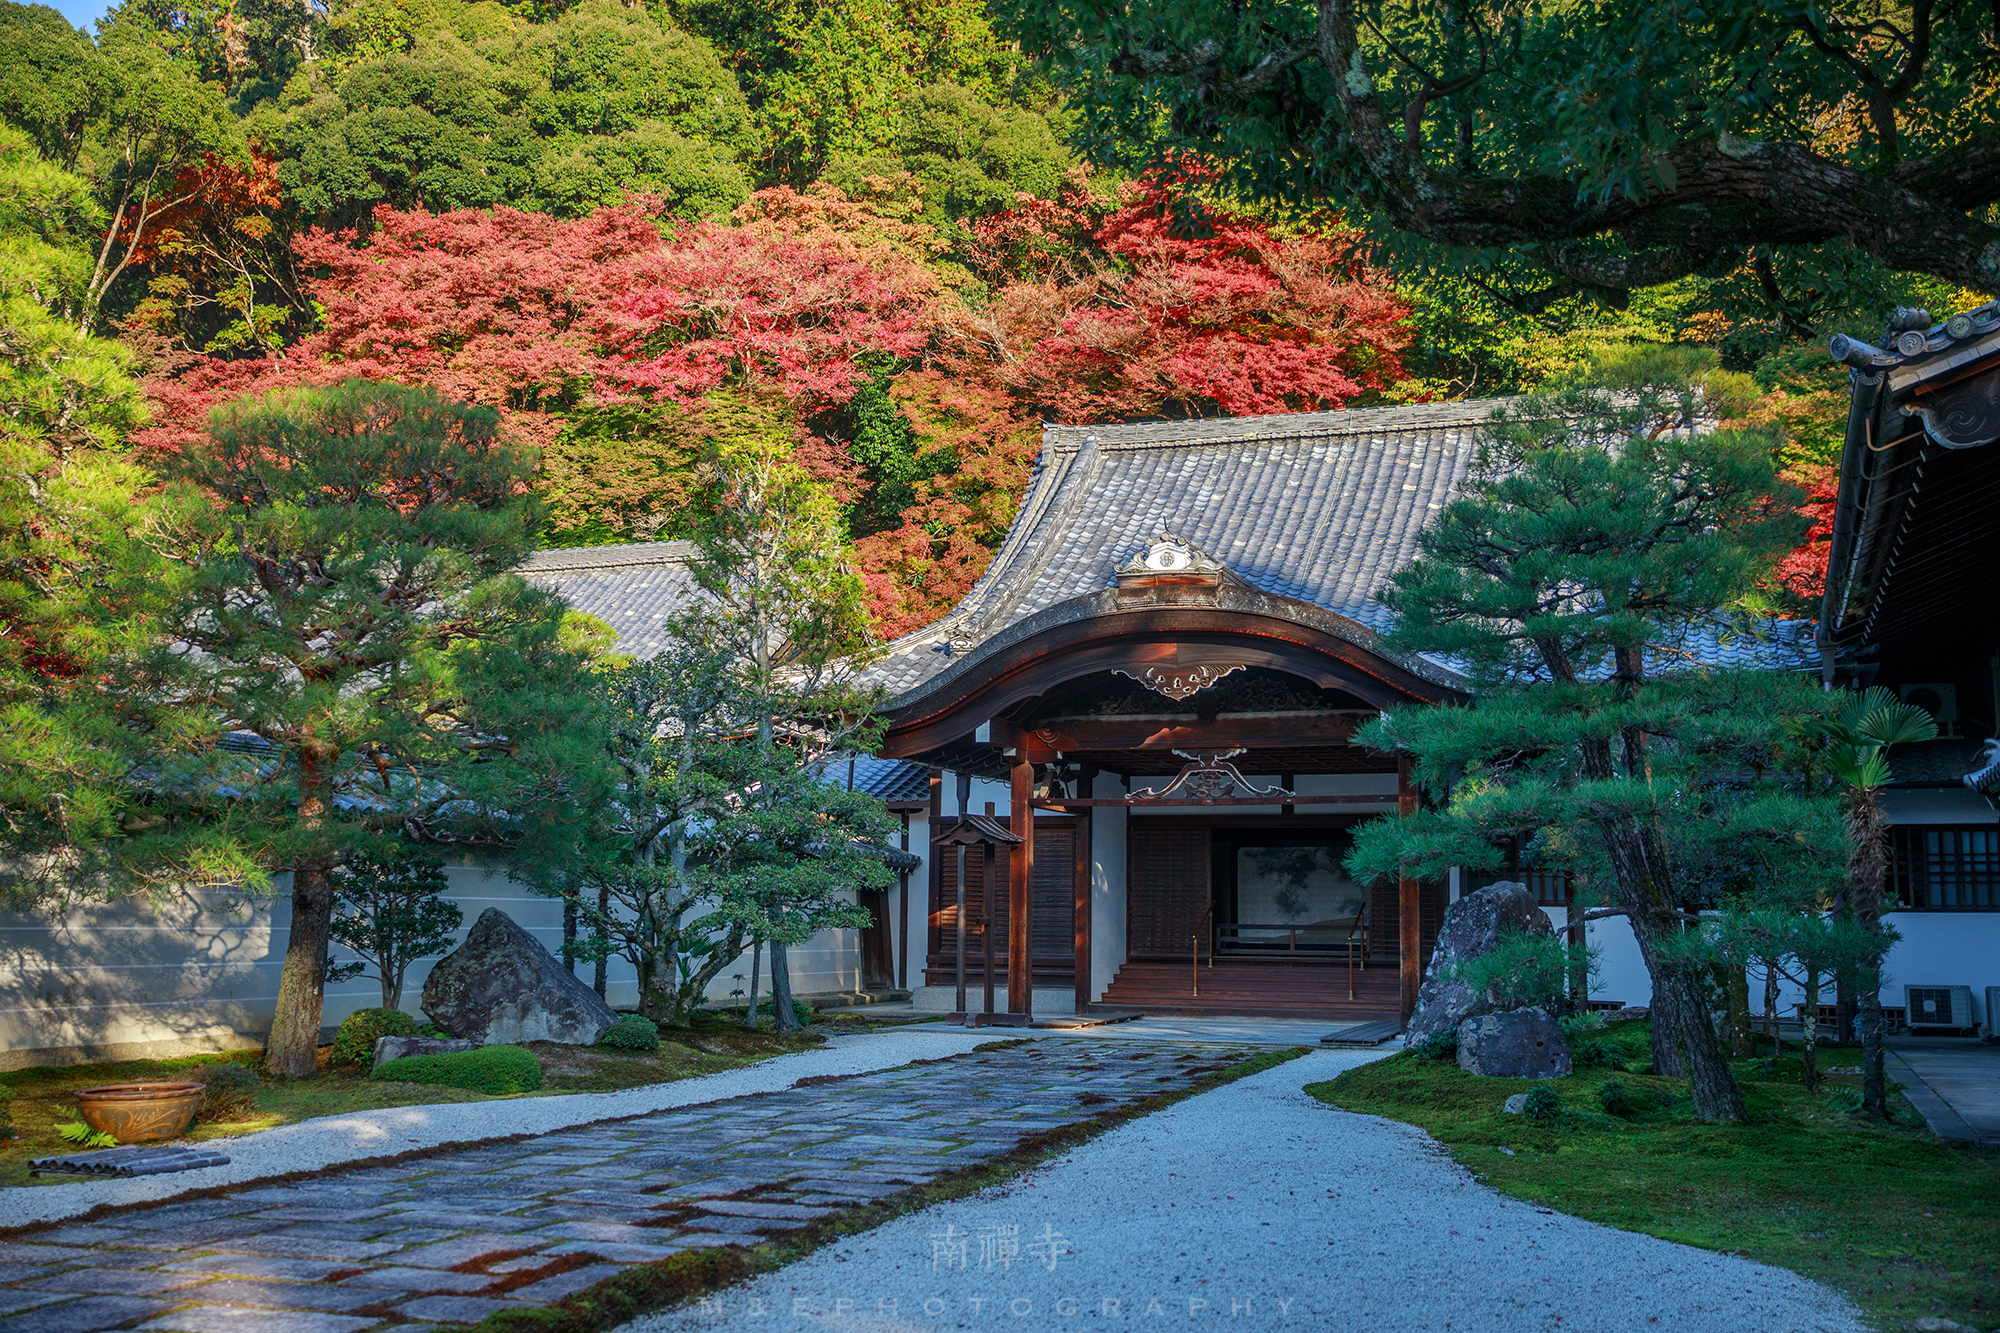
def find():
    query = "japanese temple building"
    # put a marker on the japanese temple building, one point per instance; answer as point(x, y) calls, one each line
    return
point(1166, 663)
point(1168, 658)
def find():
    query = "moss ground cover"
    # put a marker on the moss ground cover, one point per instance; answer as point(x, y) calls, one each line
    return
point(41, 1099)
point(1903, 1224)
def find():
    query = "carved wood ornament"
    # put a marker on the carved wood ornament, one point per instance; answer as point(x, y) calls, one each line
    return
point(1208, 775)
point(1178, 682)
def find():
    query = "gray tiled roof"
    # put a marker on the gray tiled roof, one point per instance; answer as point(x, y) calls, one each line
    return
point(897, 781)
point(633, 588)
point(1322, 507)
point(1938, 763)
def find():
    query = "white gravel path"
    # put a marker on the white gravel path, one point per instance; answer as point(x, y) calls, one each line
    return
point(330, 1140)
point(1254, 1206)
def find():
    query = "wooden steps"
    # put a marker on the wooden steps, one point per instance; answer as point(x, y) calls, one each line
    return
point(1256, 989)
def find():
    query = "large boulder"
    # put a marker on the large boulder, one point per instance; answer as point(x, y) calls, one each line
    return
point(1519, 1043)
point(501, 987)
point(1472, 926)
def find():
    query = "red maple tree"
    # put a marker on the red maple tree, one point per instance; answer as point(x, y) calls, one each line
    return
point(1136, 303)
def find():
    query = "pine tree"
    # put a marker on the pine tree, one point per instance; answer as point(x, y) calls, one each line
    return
point(1605, 530)
point(68, 572)
point(391, 912)
point(340, 607)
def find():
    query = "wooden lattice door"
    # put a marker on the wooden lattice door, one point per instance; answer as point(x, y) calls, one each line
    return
point(1166, 889)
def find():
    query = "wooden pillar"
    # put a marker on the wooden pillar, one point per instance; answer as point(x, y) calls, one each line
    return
point(1021, 891)
point(1409, 912)
point(934, 877)
point(1084, 990)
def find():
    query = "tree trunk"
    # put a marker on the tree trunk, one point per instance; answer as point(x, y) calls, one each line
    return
point(781, 989)
point(569, 932)
point(1810, 1075)
point(599, 936)
point(1684, 1037)
point(1742, 1035)
point(1846, 1010)
point(1771, 1007)
point(756, 958)
point(392, 986)
point(1868, 863)
point(293, 1049)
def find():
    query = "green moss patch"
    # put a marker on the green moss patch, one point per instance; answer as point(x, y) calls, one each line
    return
point(1903, 1224)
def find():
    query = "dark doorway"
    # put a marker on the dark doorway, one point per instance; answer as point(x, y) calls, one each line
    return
point(1283, 892)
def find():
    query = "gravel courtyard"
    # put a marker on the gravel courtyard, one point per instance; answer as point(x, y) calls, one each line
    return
point(1255, 1206)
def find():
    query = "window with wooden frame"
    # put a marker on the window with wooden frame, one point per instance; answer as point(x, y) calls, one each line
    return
point(1945, 868)
point(1550, 887)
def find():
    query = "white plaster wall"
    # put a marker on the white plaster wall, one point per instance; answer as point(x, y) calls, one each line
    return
point(1621, 972)
point(198, 970)
point(1936, 949)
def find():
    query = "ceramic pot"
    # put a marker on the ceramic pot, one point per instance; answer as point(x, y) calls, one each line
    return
point(140, 1112)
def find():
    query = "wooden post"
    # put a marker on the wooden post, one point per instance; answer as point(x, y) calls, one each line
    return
point(934, 877)
point(986, 922)
point(1021, 890)
point(903, 907)
point(1084, 861)
point(1409, 923)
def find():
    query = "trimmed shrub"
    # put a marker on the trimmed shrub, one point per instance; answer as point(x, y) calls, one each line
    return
point(633, 1033)
point(490, 1069)
point(354, 1044)
point(1597, 1055)
point(229, 1092)
point(1544, 1103)
point(1439, 1045)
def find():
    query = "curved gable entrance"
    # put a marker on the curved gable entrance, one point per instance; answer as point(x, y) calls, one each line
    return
point(1206, 729)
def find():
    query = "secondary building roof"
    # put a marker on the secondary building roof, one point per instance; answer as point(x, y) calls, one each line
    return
point(635, 588)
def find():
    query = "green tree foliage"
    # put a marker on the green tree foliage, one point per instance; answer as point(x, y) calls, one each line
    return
point(1858, 742)
point(340, 600)
point(53, 85)
point(390, 912)
point(1603, 532)
point(1616, 146)
point(830, 80)
point(968, 156)
point(67, 488)
point(561, 116)
point(722, 825)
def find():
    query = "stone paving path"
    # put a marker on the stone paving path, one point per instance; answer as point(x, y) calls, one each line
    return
point(451, 1238)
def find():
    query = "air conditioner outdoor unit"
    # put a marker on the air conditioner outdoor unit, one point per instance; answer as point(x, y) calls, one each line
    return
point(1939, 699)
point(1939, 1006)
point(1993, 1013)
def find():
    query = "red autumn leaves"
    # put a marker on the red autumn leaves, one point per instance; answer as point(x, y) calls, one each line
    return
point(1095, 308)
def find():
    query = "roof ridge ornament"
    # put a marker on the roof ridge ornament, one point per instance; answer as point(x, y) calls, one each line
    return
point(1169, 554)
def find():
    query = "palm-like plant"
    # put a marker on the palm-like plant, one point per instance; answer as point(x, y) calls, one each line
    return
point(1858, 741)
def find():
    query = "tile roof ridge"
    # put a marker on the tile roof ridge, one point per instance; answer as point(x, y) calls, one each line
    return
point(1274, 426)
point(609, 557)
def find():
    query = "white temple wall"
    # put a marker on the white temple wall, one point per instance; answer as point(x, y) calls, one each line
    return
point(197, 970)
